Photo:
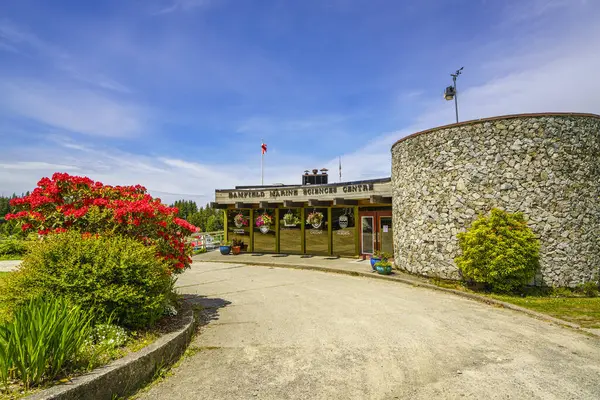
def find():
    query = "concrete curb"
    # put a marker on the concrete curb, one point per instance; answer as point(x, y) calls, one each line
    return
point(415, 282)
point(124, 376)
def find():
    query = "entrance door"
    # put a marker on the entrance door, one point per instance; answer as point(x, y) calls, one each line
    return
point(376, 232)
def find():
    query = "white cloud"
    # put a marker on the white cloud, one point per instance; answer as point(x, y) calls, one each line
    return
point(522, 11)
point(556, 75)
point(35, 165)
point(562, 79)
point(75, 110)
point(18, 40)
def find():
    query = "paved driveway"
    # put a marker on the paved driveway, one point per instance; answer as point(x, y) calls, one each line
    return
point(9, 265)
point(291, 334)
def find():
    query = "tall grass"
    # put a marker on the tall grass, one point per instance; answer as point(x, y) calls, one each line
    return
point(43, 335)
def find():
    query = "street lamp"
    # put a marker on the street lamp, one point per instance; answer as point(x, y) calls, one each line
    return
point(450, 92)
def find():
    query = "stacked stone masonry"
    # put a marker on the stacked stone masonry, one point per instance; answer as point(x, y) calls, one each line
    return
point(544, 165)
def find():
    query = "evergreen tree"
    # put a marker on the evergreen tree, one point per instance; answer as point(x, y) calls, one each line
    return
point(208, 219)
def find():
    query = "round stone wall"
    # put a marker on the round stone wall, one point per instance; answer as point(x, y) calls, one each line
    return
point(544, 165)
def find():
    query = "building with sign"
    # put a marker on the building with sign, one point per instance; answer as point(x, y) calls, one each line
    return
point(546, 166)
point(340, 219)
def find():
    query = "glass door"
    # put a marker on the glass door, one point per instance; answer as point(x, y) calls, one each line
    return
point(367, 234)
point(376, 232)
point(386, 236)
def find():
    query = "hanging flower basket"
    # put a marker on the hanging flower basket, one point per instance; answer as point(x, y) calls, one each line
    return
point(263, 222)
point(290, 219)
point(239, 220)
point(315, 219)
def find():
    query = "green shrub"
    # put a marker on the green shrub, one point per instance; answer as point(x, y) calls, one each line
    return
point(119, 277)
point(200, 250)
point(499, 250)
point(12, 248)
point(43, 336)
point(589, 289)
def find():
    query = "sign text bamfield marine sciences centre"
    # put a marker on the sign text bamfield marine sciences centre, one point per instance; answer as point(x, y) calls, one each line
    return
point(309, 191)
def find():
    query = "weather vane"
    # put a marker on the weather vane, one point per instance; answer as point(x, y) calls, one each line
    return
point(451, 93)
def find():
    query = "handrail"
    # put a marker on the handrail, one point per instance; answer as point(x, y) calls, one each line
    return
point(217, 237)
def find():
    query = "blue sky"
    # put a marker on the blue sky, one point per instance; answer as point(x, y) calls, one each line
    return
point(177, 94)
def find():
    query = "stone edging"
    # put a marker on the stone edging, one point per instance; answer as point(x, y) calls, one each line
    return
point(415, 282)
point(124, 376)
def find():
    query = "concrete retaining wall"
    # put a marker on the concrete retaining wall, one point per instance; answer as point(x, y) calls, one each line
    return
point(124, 376)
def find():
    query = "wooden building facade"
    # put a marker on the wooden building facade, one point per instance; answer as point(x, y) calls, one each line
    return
point(346, 219)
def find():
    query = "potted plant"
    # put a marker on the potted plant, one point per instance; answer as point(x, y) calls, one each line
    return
point(379, 256)
point(264, 222)
point(225, 248)
point(384, 267)
point(315, 219)
point(236, 246)
point(375, 258)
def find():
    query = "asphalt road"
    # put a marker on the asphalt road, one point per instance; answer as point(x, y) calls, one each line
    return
point(291, 334)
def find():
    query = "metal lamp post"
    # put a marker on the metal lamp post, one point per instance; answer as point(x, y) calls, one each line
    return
point(451, 93)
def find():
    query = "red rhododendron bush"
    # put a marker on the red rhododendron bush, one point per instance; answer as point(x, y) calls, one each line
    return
point(67, 202)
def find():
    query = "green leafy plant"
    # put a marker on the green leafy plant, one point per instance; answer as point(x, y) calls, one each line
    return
point(43, 336)
point(13, 248)
point(383, 263)
point(382, 255)
point(589, 289)
point(290, 219)
point(104, 343)
point(200, 250)
point(226, 242)
point(117, 276)
point(499, 250)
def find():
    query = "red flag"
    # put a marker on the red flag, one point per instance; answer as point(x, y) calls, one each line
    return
point(263, 148)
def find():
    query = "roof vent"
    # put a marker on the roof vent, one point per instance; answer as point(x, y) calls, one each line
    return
point(315, 178)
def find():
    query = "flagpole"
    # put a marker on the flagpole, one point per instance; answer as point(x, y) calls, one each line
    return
point(262, 156)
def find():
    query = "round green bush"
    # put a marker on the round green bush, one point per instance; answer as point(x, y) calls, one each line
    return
point(499, 250)
point(12, 248)
point(119, 277)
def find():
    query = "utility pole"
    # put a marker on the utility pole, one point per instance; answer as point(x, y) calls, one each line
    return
point(451, 91)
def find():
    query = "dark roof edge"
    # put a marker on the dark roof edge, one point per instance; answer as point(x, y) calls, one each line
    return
point(510, 116)
point(266, 187)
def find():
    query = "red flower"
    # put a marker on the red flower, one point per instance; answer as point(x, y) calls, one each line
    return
point(64, 201)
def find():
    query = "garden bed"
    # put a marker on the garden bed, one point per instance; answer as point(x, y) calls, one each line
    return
point(137, 343)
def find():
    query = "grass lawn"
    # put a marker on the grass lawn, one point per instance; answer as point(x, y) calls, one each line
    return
point(4, 257)
point(584, 311)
